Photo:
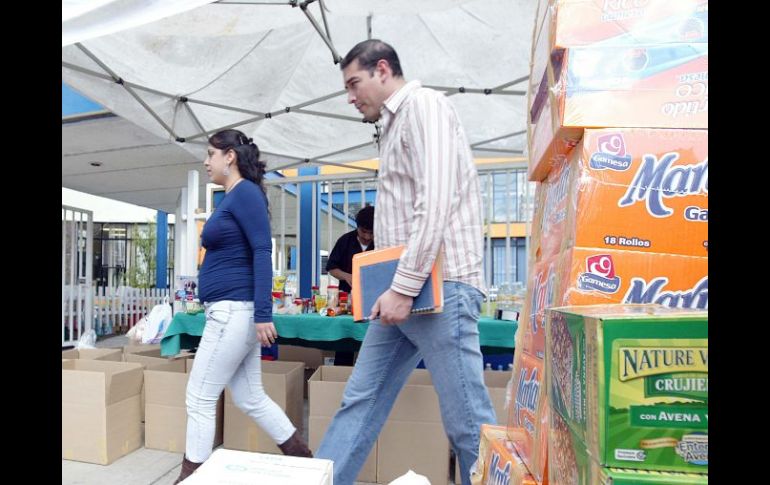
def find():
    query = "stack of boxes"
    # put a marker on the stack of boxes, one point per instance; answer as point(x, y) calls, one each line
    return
point(618, 141)
point(105, 393)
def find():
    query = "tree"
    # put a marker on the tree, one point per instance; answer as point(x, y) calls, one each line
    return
point(141, 273)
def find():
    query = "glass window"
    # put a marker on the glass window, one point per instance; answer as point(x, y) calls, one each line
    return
point(516, 260)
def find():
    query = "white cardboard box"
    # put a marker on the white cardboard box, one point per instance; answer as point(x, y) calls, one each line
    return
point(233, 467)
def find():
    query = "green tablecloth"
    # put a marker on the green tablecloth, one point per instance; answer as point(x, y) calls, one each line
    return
point(328, 333)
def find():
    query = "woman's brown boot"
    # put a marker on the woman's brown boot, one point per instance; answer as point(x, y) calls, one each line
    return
point(296, 446)
point(188, 467)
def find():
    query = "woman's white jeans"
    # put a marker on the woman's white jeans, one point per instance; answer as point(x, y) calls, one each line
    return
point(229, 355)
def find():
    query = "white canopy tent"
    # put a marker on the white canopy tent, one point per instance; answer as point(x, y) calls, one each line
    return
point(268, 69)
point(180, 70)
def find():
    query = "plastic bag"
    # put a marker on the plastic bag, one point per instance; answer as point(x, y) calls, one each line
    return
point(411, 478)
point(156, 323)
point(136, 332)
point(87, 340)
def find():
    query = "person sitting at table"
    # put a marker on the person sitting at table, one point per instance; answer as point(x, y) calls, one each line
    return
point(340, 263)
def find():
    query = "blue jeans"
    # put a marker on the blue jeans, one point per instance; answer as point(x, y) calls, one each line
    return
point(449, 344)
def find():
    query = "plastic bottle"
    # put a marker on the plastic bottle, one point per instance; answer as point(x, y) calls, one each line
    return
point(332, 296)
point(314, 291)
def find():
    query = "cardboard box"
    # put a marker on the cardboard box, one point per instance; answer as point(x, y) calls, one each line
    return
point(631, 381)
point(584, 276)
point(575, 23)
point(100, 410)
point(312, 358)
point(571, 23)
point(550, 215)
point(570, 464)
point(619, 476)
point(498, 462)
point(627, 189)
point(549, 142)
point(282, 382)
point(593, 276)
point(650, 86)
point(151, 358)
point(542, 292)
point(134, 348)
point(325, 389)
point(642, 190)
point(632, 189)
point(497, 386)
point(412, 445)
point(527, 425)
point(413, 437)
point(165, 423)
point(114, 355)
point(242, 468)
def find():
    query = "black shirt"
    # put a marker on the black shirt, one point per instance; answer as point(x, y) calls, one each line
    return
point(342, 255)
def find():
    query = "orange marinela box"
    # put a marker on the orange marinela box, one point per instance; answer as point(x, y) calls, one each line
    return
point(572, 23)
point(587, 276)
point(527, 427)
point(551, 209)
point(542, 293)
point(631, 189)
point(499, 464)
point(591, 276)
point(649, 86)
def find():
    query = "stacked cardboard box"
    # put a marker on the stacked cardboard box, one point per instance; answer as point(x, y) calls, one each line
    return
point(628, 388)
point(282, 381)
point(618, 141)
point(100, 410)
point(165, 391)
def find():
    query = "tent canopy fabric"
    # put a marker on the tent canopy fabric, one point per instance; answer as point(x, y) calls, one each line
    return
point(268, 68)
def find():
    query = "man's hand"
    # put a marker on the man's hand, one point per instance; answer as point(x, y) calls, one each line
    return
point(393, 308)
point(342, 275)
point(266, 333)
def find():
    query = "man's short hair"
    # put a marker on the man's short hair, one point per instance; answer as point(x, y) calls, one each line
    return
point(365, 218)
point(369, 52)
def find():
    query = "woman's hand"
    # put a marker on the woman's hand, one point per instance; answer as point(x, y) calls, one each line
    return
point(266, 333)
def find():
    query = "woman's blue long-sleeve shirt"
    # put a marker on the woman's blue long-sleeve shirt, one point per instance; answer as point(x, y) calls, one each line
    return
point(237, 238)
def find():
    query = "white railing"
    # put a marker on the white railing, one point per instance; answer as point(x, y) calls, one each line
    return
point(115, 310)
point(507, 199)
point(76, 276)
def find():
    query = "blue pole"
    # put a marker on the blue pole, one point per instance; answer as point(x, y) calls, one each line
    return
point(305, 230)
point(161, 249)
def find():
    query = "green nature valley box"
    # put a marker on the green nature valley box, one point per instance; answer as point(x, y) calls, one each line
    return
point(621, 476)
point(632, 382)
point(570, 464)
